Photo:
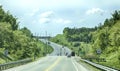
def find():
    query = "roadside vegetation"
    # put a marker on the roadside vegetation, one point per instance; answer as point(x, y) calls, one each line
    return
point(102, 41)
point(15, 43)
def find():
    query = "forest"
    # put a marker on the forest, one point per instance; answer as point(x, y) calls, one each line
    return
point(17, 43)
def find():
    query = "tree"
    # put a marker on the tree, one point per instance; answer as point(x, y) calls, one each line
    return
point(104, 39)
point(117, 38)
point(7, 17)
point(26, 31)
point(116, 15)
point(100, 25)
point(20, 43)
point(78, 34)
point(106, 22)
point(67, 33)
point(5, 35)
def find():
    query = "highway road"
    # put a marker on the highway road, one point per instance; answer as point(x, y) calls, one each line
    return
point(53, 62)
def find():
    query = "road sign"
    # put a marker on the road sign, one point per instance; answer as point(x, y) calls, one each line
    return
point(6, 52)
point(98, 51)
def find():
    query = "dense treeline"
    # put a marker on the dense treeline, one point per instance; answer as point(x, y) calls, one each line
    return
point(107, 38)
point(102, 33)
point(84, 34)
point(78, 34)
point(18, 42)
point(109, 32)
point(8, 18)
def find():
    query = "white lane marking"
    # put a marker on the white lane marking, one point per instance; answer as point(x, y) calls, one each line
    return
point(74, 65)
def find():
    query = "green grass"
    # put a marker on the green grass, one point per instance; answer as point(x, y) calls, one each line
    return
point(111, 60)
point(2, 61)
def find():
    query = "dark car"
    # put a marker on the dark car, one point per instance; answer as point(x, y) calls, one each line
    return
point(48, 42)
point(69, 55)
point(72, 53)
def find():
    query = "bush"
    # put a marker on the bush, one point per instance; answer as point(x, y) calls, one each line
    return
point(76, 44)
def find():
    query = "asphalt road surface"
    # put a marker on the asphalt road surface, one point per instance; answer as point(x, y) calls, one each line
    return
point(56, 61)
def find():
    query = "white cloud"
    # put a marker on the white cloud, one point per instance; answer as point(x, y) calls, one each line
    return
point(94, 11)
point(44, 20)
point(67, 21)
point(46, 17)
point(58, 20)
point(81, 20)
point(47, 14)
point(62, 21)
point(33, 12)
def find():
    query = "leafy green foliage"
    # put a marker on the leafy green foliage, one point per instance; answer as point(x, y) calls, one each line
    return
point(116, 15)
point(19, 43)
point(8, 18)
point(108, 39)
point(60, 39)
point(5, 35)
point(76, 44)
point(26, 31)
point(78, 34)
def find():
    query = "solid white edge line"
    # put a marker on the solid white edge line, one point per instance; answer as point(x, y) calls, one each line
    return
point(74, 65)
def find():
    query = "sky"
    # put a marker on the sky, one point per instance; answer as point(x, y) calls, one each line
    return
point(52, 16)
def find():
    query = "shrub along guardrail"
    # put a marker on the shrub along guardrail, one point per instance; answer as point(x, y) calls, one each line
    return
point(13, 64)
point(96, 59)
point(101, 67)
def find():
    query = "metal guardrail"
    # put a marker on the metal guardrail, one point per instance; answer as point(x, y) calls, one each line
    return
point(104, 68)
point(13, 64)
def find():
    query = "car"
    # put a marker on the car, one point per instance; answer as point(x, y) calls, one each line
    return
point(48, 42)
point(69, 55)
point(58, 54)
point(72, 53)
point(66, 54)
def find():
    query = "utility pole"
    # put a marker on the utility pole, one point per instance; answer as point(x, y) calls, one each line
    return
point(46, 42)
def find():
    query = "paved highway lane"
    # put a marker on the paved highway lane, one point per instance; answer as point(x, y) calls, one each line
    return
point(52, 62)
point(68, 64)
point(58, 49)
